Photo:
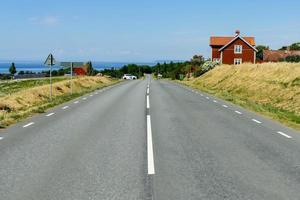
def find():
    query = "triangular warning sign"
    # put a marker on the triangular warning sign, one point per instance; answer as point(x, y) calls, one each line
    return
point(50, 60)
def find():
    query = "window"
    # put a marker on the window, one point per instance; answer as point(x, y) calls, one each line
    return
point(237, 61)
point(238, 49)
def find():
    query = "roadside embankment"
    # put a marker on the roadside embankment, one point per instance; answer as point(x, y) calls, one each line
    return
point(272, 89)
point(24, 99)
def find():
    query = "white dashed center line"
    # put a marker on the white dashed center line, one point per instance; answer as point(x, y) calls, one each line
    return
point(207, 97)
point(201, 95)
point(50, 114)
point(283, 134)
point(225, 106)
point(148, 102)
point(148, 90)
point(76, 102)
point(151, 169)
point(65, 107)
point(91, 95)
point(238, 112)
point(1, 138)
point(215, 101)
point(84, 98)
point(29, 124)
point(255, 120)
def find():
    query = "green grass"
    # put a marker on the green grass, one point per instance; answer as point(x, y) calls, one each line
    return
point(13, 86)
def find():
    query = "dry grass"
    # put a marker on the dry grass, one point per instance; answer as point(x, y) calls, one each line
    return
point(271, 88)
point(23, 103)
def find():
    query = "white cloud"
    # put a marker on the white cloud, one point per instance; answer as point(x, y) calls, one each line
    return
point(46, 21)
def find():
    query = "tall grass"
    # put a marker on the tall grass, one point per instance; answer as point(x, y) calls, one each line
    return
point(30, 100)
point(271, 88)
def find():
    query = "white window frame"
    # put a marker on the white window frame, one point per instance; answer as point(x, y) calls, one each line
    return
point(238, 49)
point(217, 60)
point(238, 61)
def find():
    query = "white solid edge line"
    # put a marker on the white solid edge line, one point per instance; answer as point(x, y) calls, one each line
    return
point(238, 112)
point(151, 169)
point(50, 114)
point(283, 134)
point(65, 107)
point(29, 124)
point(225, 106)
point(255, 120)
point(148, 102)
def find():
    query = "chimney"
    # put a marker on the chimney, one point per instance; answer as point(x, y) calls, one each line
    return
point(237, 32)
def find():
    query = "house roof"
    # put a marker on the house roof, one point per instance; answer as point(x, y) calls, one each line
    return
point(234, 39)
point(277, 55)
point(221, 41)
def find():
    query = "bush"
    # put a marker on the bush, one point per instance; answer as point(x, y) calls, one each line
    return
point(292, 59)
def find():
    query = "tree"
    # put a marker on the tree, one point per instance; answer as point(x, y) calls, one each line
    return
point(12, 69)
point(295, 46)
point(90, 69)
point(260, 53)
point(197, 60)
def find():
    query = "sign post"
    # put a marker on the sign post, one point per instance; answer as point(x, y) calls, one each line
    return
point(50, 61)
point(71, 65)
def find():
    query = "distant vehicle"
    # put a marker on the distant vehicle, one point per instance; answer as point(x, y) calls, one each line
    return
point(129, 77)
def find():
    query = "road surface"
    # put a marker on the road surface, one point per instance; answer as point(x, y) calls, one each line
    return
point(165, 142)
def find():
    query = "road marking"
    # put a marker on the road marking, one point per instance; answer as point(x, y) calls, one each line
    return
point(207, 97)
point(65, 107)
point(238, 112)
point(148, 90)
point(283, 134)
point(84, 98)
point(148, 102)
point(225, 106)
point(201, 95)
point(1, 138)
point(91, 95)
point(96, 92)
point(151, 169)
point(215, 101)
point(50, 114)
point(255, 120)
point(29, 124)
point(76, 102)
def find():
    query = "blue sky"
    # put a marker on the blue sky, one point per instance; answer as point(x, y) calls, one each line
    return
point(137, 30)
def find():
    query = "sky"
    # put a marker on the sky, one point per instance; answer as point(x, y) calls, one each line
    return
point(138, 30)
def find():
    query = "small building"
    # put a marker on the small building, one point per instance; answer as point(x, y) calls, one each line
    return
point(233, 50)
point(80, 70)
point(278, 55)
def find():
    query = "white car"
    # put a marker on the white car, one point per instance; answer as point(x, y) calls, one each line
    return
point(129, 77)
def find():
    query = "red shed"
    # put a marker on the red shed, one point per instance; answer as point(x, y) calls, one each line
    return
point(233, 50)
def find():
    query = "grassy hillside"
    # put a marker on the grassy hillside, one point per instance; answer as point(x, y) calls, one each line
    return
point(272, 88)
point(12, 86)
point(25, 98)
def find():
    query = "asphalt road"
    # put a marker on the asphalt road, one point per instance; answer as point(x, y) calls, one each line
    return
point(165, 142)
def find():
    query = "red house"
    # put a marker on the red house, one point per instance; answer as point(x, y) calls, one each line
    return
point(233, 50)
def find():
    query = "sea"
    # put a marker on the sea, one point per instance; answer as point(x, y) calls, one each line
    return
point(36, 66)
